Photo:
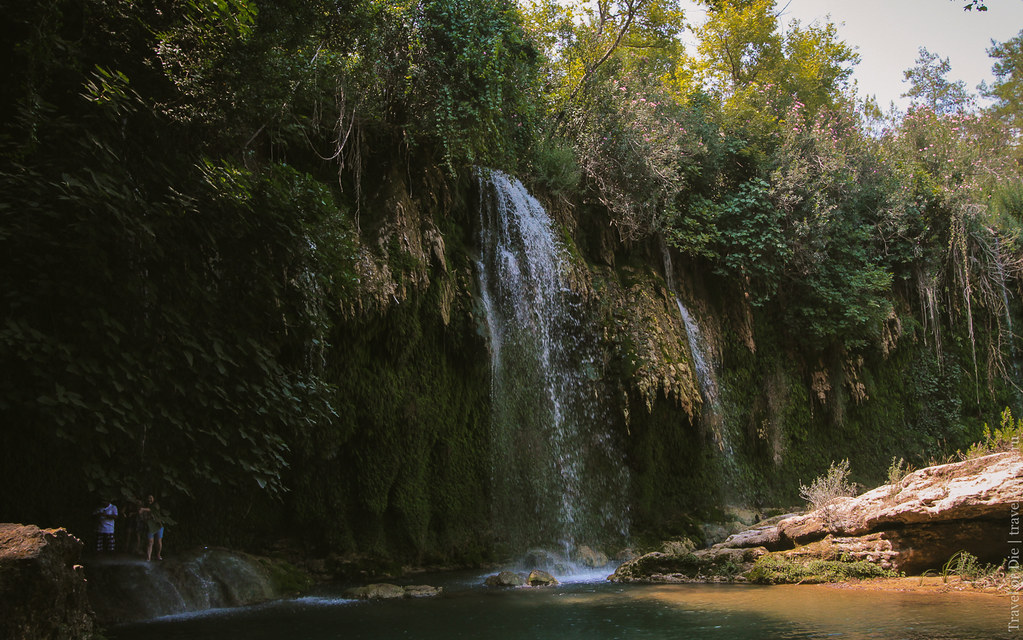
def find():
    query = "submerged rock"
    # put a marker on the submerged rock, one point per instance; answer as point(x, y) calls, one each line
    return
point(42, 589)
point(378, 591)
point(538, 578)
point(422, 591)
point(505, 579)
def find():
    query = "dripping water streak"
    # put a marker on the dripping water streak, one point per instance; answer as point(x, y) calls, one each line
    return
point(711, 414)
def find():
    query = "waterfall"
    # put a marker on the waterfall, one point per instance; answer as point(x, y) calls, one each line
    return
point(711, 414)
point(558, 477)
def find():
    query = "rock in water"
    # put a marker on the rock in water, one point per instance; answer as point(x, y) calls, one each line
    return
point(704, 565)
point(590, 557)
point(538, 578)
point(422, 591)
point(505, 579)
point(42, 589)
point(378, 591)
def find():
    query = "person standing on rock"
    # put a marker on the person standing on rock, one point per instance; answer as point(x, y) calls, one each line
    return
point(106, 515)
point(155, 519)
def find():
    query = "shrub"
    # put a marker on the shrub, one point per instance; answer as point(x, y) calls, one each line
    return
point(823, 491)
point(773, 569)
point(1007, 437)
point(897, 471)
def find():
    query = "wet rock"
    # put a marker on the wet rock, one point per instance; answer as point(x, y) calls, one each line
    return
point(505, 579)
point(422, 591)
point(42, 589)
point(127, 589)
point(378, 591)
point(538, 578)
point(589, 557)
point(718, 563)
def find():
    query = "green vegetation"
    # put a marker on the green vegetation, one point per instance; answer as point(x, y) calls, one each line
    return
point(823, 491)
point(1008, 436)
point(897, 472)
point(966, 566)
point(776, 569)
point(239, 241)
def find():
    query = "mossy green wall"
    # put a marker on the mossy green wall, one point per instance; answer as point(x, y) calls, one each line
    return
point(404, 471)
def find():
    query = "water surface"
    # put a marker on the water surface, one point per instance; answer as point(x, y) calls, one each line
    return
point(598, 611)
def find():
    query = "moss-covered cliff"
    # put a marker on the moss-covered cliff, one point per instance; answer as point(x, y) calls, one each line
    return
point(239, 245)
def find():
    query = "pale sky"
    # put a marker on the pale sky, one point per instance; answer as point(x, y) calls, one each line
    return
point(888, 34)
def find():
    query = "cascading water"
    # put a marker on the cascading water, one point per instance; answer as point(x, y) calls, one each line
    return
point(558, 478)
point(711, 414)
point(126, 589)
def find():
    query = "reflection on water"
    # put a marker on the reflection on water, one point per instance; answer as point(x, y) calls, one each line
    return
point(598, 611)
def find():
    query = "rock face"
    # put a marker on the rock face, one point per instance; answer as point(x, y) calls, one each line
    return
point(920, 522)
point(42, 589)
point(912, 526)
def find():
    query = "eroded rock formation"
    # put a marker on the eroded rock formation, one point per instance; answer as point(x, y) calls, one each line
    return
point(911, 526)
point(42, 588)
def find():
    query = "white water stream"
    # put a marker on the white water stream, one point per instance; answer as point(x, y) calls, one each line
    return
point(558, 478)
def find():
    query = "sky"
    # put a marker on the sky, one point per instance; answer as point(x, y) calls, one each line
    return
point(889, 33)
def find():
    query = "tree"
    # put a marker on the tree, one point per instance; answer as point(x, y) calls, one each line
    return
point(1007, 90)
point(590, 35)
point(760, 72)
point(739, 45)
point(930, 87)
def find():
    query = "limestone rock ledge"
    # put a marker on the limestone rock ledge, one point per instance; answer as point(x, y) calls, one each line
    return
point(911, 526)
point(42, 588)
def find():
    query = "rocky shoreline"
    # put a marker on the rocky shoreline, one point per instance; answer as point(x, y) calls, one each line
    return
point(967, 509)
point(915, 525)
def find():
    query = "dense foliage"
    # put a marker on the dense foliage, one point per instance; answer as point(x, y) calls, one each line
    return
point(237, 243)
